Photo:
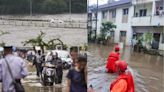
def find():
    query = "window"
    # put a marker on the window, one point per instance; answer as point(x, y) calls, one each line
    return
point(123, 36)
point(161, 8)
point(125, 15)
point(113, 13)
point(143, 12)
point(112, 33)
point(136, 14)
point(125, 11)
point(123, 33)
point(104, 14)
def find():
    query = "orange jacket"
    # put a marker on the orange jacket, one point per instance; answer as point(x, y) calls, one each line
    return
point(124, 83)
point(110, 65)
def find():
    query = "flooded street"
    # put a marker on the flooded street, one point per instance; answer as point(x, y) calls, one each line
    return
point(30, 29)
point(68, 32)
point(33, 84)
point(147, 70)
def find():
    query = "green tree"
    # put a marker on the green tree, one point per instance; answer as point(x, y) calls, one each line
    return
point(54, 6)
point(148, 37)
point(14, 6)
point(42, 6)
point(106, 28)
point(39, 41)
point(79, 6)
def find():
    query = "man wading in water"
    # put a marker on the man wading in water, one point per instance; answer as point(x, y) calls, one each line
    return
point(124, 82)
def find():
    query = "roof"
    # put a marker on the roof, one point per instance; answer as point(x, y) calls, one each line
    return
point(113, 5)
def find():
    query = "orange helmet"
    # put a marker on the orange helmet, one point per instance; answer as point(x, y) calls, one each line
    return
point(122, 65)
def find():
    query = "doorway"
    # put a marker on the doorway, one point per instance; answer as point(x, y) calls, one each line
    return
point(156, 40)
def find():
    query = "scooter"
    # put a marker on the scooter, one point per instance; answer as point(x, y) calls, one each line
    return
point(48, 74)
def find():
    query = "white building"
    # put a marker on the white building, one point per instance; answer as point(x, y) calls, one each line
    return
point(132, 17)
point(149, 17)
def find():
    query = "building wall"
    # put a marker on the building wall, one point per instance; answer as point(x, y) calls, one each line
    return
point(110, 18)
point(123, 26)
point(118, 21)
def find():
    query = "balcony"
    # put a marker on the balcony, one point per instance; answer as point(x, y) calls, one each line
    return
point(148, 21)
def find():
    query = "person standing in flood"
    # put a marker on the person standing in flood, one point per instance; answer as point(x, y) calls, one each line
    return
point(18, 69)
point(113, 57)
point(124, 82)
point(76, 78)
point(38, 63)
point(59, 69)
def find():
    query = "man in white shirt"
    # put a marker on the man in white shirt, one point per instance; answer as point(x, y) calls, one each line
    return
point(18, 69)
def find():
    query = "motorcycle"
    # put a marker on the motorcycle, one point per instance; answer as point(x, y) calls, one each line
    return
point(48, 74)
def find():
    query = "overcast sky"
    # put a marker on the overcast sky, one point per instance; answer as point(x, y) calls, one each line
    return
point(92, 2)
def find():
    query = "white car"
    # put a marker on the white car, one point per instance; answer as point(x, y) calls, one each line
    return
point(62, 54)
point(56, 21)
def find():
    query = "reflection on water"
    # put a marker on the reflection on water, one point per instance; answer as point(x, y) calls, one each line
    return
point(147, 70)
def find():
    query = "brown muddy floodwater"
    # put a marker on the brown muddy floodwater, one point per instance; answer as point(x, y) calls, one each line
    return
point(147, 70)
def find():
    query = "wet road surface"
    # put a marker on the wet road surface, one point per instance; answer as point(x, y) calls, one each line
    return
point(147, 70)
point(33, 84)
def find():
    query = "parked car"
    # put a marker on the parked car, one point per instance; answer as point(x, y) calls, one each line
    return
point(63, 55)
point(56, 21)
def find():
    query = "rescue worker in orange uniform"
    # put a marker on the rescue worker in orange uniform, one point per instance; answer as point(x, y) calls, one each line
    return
point(124, 82)
point(117, 50)
point(113, 57)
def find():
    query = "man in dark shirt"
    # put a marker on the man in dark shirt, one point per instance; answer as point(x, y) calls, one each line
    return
point(38, 62)
point(59, 69)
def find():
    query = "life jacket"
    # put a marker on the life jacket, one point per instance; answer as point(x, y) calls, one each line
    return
point(128, 77)
point(118, 53)
point(110, 65)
